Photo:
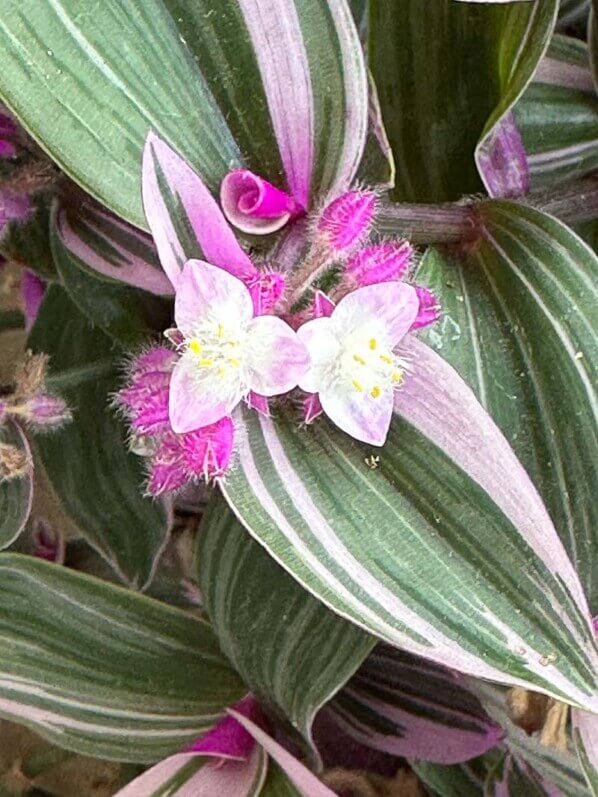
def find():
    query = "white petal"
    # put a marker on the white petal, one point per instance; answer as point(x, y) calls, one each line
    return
point(393, 306)
point(357, 413)
point(323, 347)
point(276, 357)
point(204, 290)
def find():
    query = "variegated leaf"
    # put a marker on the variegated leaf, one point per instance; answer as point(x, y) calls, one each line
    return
point(585, 734)
point(16, 493)
point(104, 671)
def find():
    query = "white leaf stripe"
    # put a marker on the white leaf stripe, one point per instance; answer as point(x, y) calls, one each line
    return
point(322, 504)
point(104, 671)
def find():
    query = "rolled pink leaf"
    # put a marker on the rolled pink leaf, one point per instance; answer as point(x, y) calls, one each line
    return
point(306, 783)
point(229, 739)
point(502, 161)
point(254, 205)
point(32, 291)
point(382, 262)
point(429, 308)
point(179, 183)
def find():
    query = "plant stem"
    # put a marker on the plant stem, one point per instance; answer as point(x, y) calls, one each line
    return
point(426, 224)
point(572, 202)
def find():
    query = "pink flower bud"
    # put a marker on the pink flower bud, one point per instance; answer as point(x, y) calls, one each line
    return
point(46, 412)
point(383, 262)
point(158, 358)
point(266, 289)
point(258, 403)
point(13, 207)
point(32, 291)
point(49, 544)
point(346, 221)
point(207, 451)
point(150, 415)
point(322, 306)
point(146, 396)
point(429, 308)
point(312, 408)
point(254, 205)
point(166, 477)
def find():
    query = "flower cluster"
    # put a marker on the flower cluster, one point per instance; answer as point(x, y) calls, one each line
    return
point(243, 334)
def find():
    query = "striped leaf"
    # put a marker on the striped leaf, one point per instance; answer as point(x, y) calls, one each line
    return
point(16, 494)
point(464, 568)
point(126, 313)
point(464, 780)
point(512, 777)
point(406, 706)
point(103, 671)
point(293, 659)
point(593, 40)
point(110, 248)
point(558, 116)
point(573, 12)
point(520, 326)
point(585, 734)
point(446, 78)
point(287, 75)
point(98, 482)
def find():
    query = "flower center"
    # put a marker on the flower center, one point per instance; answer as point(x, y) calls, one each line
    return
point(370, 366)
point(218, 350)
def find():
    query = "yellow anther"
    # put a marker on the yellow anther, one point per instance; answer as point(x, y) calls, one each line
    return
point(195, 346)
point(206, 362)
point(222, 372)
point(220, 332)
point(397, 376)
point(359, 359)
point(386, 359)
point(234, 362)
point(375, 391)
point(358, 386)
point(373, 344)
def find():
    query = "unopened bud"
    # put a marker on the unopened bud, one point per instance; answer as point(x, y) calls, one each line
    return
point(30, 375)
point(49, 544)
point(44, 411)
point(345, 223)
point(208, 451)
point(383, 262)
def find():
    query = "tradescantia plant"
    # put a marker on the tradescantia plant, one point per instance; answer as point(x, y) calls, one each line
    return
point(297, 397)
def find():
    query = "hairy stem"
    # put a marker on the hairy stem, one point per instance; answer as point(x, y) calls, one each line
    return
point(427, 224)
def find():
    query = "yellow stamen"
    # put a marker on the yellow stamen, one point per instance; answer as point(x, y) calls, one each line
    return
point(220, 332)
point(375, 392)
point(234, 362)
point(397, 376)
point(206, 362)
point(373, 344)
point(195, 346)
point(222, 372)
point(386, 359)
point(359, 359)
point(358, 386)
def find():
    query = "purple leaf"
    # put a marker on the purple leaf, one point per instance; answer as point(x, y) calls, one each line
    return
point(502, 161)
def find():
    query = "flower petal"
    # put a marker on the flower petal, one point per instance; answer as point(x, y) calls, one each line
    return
point(393, 305)
point(357, 413)
point(166, 180)
point(198, 398)
point(277, 359)
point(204, 290)
point(254, 205)
point(322, 346)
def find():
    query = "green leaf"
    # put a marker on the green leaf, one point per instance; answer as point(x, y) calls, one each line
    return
point(593, 40)
point(464, 780)
point(28, 242)
point(558, 116)
point(291, 651)
point(573, 12)
point(15, 494)
point(445, 78)
point(102, 671)
point(433, 567)
point(99, 483)
point(519, 324)
point(277, 784)
point(89, 81)
point(128, 314)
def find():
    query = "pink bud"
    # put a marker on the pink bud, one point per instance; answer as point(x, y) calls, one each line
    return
point(49, 544)
point(166, 477)
point(13, 207)
point(312, 408)
point(266, 289)
point(347, 221)
point(258, 403)
point(322, 306)
point(253, 204)
point(32, 291)
point(146, 396)
point(46, 412)
point(207, 451)
point(158, 358)
point(150, 415)
point(429, 308)
point(382, 262)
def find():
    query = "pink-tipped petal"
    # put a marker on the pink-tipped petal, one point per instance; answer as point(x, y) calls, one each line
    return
point(197, 207)
point(277, 359)
point(254, 205)
point(384, 262)
point(258, 403)
point(393, 305)
point(207, 452)
point(357, 413)
point(32, 290)
point(429, 308)
point(346, 221)
point(266, 289)
point(196, 399)
point(312, 408)
point(322, 306)
point(204, 290)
